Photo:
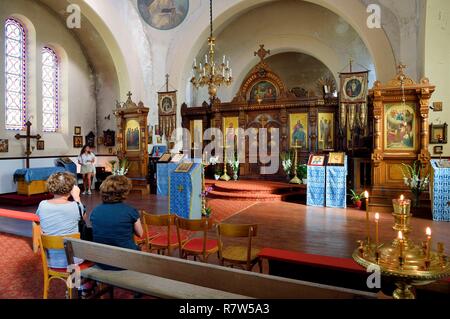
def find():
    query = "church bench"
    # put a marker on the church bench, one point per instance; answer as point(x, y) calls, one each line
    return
point(341, 272)
point(181, 278)
point(33, 218)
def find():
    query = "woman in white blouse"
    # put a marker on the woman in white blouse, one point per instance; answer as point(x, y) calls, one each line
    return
point(87, 162)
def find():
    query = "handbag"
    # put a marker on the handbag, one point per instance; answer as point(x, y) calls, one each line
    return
point(86, 232)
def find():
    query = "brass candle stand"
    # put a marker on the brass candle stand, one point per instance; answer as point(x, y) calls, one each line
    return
point(296, 180)
point(407, 263)
point(225, 176)
point(204, 164)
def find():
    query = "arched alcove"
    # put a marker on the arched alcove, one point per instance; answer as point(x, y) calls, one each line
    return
point(351, 13)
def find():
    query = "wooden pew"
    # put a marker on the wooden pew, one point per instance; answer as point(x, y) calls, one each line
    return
point(33, 218)
point(168, 277)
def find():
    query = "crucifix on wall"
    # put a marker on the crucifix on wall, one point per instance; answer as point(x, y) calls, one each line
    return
point(28, 138)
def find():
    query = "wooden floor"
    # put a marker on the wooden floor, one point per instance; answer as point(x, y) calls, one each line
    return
point(323, 231)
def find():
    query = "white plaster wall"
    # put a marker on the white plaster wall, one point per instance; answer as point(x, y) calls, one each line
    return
point(437, 59)
point(78, 104)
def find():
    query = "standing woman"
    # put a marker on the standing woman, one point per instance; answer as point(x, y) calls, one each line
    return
point(87, 162)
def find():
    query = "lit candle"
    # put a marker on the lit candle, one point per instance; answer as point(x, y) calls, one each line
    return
point(231, 73)
point(195, 61)
point(377, 219)
point(201, 67)
point(206, 58)
point(400, 239)
point(228, 63)
point(223, 60)
point(402, 203)
point(366, 196)
point(428, 232)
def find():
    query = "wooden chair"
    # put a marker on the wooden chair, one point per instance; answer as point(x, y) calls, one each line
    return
point(243, 256)
point(198, 246)
point(148, 232)
point(55, 242)
point(166, 240)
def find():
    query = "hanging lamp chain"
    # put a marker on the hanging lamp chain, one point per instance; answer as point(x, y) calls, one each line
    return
point(211, 18)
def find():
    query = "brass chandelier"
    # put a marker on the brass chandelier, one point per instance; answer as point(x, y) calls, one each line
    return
point(210, 73)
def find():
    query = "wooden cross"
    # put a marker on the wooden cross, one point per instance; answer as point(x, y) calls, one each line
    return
point(129, 96)
point(28, 138)
point(262, 53)
point(167, 82)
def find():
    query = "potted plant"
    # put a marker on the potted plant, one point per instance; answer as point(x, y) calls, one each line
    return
point(286, 163)
point(122, 167)
point(234, 163)
point(302, 172)
point(356, 198)
point(416, 183)
point(213, 161)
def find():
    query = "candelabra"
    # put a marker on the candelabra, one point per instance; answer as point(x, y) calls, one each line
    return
point(296, 180)
point(225, 176)
point(209, 73)
point(407, 263)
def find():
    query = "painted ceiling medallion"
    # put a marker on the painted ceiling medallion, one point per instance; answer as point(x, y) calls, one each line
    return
point(163, 14)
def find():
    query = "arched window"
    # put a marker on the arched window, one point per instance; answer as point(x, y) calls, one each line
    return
point(50, 88)
point(15, 75)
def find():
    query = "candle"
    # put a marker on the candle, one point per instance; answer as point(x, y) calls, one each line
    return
point(228, 63)
point(366, 196)
point(231, 73)
point(206, 58)
point(428, 232)
point(377, 219)
point(400, 239)
point(195, 61)
point(223, 60)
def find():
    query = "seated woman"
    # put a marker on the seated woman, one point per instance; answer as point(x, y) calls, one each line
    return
point(59, 216)
point(113, 222)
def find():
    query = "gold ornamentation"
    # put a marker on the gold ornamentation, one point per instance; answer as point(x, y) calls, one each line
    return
point(408, 263)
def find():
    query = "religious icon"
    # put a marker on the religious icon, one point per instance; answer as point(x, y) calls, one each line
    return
point(159, 150)
point(298, 124)
point(4, 146)
point(109, 138)
point(231, 133)
point(177, 158)
point(184, 167)
point(132, 137)
point(77, 141)
point(100, 140)
point(166, 105)
point(400, 126)
point(40, 145)
point(163, 14)
point(353, 88)
point(165, 158)
point(316, 160)
point(196, 127)
point(438, 133)
point(90, 139)
point(326, 131)
point(335, 158)
point(77, 130)
point(438, 150)
point(263, 91)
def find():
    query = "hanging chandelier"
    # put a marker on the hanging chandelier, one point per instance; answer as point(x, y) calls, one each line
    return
point(209, 73)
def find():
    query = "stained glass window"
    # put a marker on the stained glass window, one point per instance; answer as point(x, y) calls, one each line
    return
point(15, 75)
point(50, 78)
